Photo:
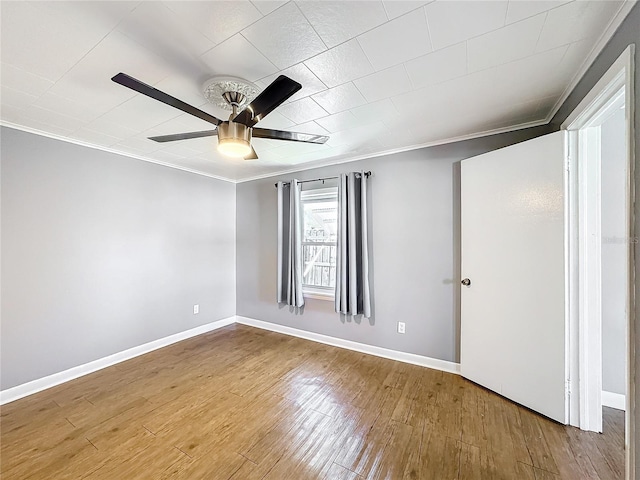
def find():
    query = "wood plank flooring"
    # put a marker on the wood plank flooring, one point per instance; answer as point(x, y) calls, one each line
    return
point(242, 403)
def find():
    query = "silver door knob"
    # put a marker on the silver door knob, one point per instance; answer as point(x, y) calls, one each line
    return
point(466, 282)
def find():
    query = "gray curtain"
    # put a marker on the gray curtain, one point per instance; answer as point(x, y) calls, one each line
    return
point(289, 244)
point(352, 266)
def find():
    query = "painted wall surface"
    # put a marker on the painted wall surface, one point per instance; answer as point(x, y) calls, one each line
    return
point(101, 253)
point(614, 254)
point(414, 255)
point(627, 34)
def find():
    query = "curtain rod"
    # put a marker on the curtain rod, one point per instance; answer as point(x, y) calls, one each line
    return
point(366, 174)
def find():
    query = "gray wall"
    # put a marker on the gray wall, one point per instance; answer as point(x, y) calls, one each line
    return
point(101, 253)
point(414, 253)
point(628, 33)
point(614, 254)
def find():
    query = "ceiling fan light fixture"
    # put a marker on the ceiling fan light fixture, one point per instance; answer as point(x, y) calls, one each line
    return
point(234, 139)
point(234, 147)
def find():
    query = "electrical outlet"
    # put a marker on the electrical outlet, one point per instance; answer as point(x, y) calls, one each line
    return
point(196, 309)
point(400, 327)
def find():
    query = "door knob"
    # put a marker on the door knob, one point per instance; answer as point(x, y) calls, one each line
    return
point(466, 282)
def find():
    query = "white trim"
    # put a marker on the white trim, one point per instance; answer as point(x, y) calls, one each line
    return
point(74, 141)
point(412, 358)
point(608, 33)
point(586, 381)
point(602, 41)
point(339, 161)
point(607, 87)
point(614, 400)
point(312, 165)
point(35, 386)
point(309, 292)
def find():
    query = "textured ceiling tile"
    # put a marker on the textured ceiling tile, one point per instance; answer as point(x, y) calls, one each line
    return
point(141, 113)
point(338, 21)
point(33, 38)
point(517, 82)
point(140, 145)
point(575, 21)
point(156, 27)
point(268, 6)
point(15, 98)
point(51, 101)
point(569, 67)
point(453, 22)
point(310, 127)
point(298, 148)
point(285, 36)
point(504, 45)
point(339, 121)
point(401, 39)
point(301, 74)
point(217, 20)
point(17, 116)
point(50, 117)
point(275, 120)
point(112, 129)
point(439, 66)
point(22, 80)
point(239, 58)
point(340, 98)
point(341, 64)
point(164, 49)
point(376, 111)
point(301, 111)
point(93, 73)
point(395, 8)
point(179, 148)
point(188, 88)
point(357, 135)
point(519, 10)
point(94, 138)
point(384, 84)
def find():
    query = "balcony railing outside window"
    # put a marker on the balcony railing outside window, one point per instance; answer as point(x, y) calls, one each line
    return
point(319, 240)
point(319, 264)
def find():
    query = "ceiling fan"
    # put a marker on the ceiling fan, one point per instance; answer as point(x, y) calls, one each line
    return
point(234, 135)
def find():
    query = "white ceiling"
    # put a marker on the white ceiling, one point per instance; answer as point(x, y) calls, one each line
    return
point(377, 76)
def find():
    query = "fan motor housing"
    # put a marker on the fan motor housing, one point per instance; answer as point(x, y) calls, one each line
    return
point(232, 134)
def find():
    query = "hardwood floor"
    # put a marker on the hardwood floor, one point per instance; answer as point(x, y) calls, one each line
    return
point(242, 403)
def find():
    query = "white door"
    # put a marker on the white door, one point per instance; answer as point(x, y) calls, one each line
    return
point(513, 313)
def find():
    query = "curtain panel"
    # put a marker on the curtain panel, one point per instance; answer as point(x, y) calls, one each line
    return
point(289, 244)
point(352, 268)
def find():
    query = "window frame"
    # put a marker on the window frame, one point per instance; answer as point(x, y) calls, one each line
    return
point(325, 194)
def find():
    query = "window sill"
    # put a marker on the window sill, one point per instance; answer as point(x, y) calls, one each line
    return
point(318, 295)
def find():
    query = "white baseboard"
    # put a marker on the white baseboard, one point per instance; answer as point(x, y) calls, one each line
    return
point(29, 388)
point(414, 359)
point(35, 386)
point(614, 400)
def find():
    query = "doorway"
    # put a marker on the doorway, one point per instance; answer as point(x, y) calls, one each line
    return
point(600, 250)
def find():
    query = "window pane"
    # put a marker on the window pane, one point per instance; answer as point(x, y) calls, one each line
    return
point(320, 229)
point(320, 221)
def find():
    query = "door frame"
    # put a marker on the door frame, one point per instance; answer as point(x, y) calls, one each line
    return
point(583, 236)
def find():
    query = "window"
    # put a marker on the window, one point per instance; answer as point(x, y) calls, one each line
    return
point(320, 232)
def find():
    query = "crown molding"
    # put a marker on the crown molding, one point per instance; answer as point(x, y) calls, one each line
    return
point(611, 29)
point(461, 138)
point(74, 141)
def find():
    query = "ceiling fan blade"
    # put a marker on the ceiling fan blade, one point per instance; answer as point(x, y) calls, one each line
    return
point(291, 136)
point(184, 136)
point(271, 97)
point(252, 156)
point(149, 91)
